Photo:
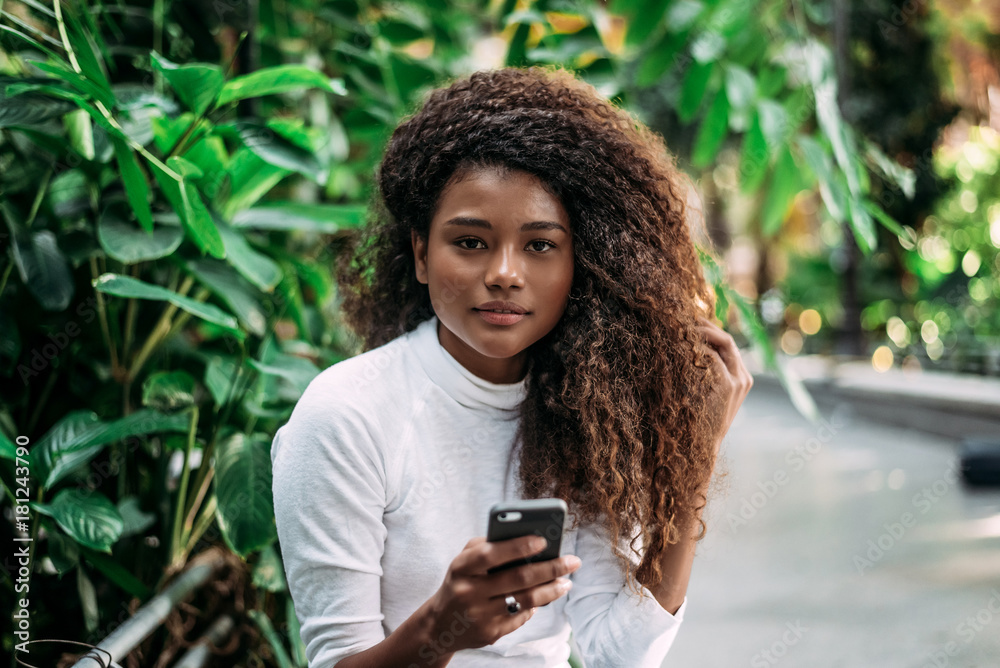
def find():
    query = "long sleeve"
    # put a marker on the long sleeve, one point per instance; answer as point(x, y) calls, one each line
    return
point(329, 495)
point(611, 625)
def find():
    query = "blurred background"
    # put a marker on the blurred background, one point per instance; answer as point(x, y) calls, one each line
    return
point(177, 177)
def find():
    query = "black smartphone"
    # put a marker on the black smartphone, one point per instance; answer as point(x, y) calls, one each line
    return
point(541, 517)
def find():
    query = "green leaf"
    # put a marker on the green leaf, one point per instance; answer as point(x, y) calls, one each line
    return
point(87, 516)
point(136, 186)
point(644, 17)
point(168, 391)
point(88, 600)
point(197, 84)
point(81, 83)
point(116, 573)
point(259, 269)
point(693, 89)
point(712, 132)
point(220, 374)
point(250, 178)
point(741, 88)
point(136, 521)
point(126, 286)
point(682, 14)
point(29, 109)
point(754, 157)
point(296, 370)
point(881, 216)
point(268, 573)
point(786, 182)
point(274, 640)
point(8, 450)
point(773, 124)
point(271, 80)
point(245, 510)
point(659, 60)
point(128, 244)
point(80, 435)
point(280, 152)
point(40, 263)
point(187, 202)
point(295, 634)
point(863, 226)
point(834, 196)
point(87, 55)
point(64, 553)
point(325, 218)
point(236, 292)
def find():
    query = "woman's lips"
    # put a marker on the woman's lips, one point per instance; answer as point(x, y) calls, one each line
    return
point(494, 318)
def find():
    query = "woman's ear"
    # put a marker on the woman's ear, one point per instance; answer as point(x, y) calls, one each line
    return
point(419, 255)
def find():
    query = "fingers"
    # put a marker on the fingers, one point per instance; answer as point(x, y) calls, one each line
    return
point(723, 343)
point(480, 555)
point(536, 597)
point(530, 575)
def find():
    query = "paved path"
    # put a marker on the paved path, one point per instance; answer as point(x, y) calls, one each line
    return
point(850, 546)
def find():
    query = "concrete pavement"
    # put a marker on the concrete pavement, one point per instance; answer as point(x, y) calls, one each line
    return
point(850, 544)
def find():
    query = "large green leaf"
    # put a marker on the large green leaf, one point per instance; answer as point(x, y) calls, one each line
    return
point(187, 202)
point(40, 263)
point(126, 286)
point(279, 151)
point(250, 178)
point(136, 187)
point(834, 195)
point(80, 436)
point(237, 294)
point(245, 509)
point(296, 370)
point(197, 84)
point(660, 59)
point(786, 182)
point(303, 216)
point(741, 87)
point(271, 80)
point(754, 157)
point(712, 132)
point(693, 89)
point(79, 82)
point(253, 265)
point(128, 244)
point(29, 109)
point(87, 516)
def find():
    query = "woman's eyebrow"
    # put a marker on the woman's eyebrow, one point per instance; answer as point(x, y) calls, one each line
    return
point(479, 222)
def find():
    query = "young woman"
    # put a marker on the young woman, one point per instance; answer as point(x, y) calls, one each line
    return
point(535, 323)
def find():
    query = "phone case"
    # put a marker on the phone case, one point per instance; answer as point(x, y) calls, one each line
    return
point(542, 517)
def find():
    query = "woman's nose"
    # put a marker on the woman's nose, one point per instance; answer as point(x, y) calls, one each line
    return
point(504, 268)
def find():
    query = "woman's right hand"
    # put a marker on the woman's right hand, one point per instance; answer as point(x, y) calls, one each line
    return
point(469, 606)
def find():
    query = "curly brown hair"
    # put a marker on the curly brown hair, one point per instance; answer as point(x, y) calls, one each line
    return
point(615, 421)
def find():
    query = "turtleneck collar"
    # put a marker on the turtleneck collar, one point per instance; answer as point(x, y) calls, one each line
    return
point(461, 384)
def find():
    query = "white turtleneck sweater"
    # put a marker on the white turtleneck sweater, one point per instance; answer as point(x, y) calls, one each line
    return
point(386, 468)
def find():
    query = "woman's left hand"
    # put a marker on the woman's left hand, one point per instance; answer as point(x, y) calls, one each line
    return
point(734, 381)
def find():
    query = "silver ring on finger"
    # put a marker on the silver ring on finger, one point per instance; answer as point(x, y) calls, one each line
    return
point(513, 606)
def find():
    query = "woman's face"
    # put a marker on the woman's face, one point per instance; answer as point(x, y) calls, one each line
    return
point(496, 238)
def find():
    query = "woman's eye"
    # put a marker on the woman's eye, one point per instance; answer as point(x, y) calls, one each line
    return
point(540, 241)
point(464, 241)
